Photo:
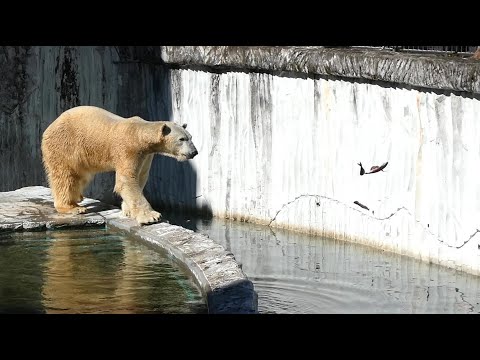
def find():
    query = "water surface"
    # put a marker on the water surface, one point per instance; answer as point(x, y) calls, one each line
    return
point(90, 271)
point(297, 273)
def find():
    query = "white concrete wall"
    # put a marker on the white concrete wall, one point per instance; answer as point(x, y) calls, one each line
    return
point(284, 151)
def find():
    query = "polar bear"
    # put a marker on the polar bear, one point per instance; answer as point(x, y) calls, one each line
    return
point(86, 140)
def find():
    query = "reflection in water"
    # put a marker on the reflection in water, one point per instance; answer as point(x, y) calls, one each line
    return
point(298, 273)
point(90, 271)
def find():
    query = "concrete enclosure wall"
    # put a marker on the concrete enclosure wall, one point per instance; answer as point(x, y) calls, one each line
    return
point(284, 151)
point(279, 142)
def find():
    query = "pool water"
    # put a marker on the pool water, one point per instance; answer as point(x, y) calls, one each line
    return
point(295, 273)
point(91, 271)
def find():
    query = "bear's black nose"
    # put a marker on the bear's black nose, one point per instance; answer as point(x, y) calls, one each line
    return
point(195, 153)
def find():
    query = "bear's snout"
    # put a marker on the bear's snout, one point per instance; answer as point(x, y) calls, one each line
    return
point(192, 154)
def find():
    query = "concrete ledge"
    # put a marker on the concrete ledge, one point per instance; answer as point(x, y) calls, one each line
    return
point(421, 70)
point(222, 281)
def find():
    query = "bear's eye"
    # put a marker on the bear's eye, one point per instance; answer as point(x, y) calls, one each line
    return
point(183, 139)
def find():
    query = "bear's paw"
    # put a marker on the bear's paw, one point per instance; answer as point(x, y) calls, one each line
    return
point(148, 217)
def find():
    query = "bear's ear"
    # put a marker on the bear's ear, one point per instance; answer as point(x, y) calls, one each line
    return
point(184, 126)
point(166, 130)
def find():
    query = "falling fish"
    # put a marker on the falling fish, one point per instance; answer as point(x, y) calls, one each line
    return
point(361, 205)
point(362, 170)
point(375, 169)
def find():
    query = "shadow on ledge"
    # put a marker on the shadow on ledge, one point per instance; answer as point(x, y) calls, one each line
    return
point(172, 190)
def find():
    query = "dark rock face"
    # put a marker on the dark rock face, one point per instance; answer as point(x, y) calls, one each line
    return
point(66, 71)
point(15, 82)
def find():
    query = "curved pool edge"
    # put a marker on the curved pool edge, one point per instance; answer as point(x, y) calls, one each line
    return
point(224, 285)
point(226, 288)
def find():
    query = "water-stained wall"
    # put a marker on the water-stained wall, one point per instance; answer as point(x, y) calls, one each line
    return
point(284, 150)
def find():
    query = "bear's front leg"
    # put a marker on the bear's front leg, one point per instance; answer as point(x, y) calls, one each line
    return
point(142, 180)
point(134, 203)
point(125, 209)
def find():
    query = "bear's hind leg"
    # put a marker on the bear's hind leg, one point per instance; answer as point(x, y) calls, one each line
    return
point(83, 182)
point(66, 192)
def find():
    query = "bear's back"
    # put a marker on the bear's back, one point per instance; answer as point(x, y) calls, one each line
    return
point(91, 113)
point(87, 136)
point(86, 125)
point(89, 123)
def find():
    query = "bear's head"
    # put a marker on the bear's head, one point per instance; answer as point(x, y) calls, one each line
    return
point(176, 142)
